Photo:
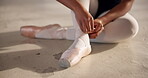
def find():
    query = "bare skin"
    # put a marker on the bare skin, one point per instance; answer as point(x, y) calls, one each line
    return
point(90, 25)
point(84, 18)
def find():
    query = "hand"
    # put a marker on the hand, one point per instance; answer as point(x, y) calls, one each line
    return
point(85, 21)
point(98, 29)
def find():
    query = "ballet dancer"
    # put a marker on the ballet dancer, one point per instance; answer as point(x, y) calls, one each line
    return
point(103, 21)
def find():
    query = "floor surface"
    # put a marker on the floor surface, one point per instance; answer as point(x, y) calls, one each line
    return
point(21, 57)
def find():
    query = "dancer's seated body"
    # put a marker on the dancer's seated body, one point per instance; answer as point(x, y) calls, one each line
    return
point(91, 19)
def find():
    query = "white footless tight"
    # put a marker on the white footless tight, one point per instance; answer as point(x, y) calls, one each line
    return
point(81, 39)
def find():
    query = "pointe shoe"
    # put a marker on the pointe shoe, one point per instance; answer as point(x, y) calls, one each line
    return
point(72, 56)
point(50, 31)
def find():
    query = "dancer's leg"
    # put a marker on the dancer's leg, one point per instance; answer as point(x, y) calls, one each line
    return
point(121, 29)
point(70, 32)
point(93, 7)
point(56, 31)
point(81, 45)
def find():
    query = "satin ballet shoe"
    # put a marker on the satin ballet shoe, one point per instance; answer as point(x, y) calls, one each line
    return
point(54, 31)
point(72, 56)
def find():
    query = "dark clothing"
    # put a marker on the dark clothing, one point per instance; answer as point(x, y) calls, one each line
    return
point(105, 5)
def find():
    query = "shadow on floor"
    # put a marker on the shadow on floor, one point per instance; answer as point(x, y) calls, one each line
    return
point(44, 60)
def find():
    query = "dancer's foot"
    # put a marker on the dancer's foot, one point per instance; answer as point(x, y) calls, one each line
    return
point(73, 55)
point(54, 31)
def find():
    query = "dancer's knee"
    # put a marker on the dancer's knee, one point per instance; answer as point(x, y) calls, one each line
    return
point(128, 27)
point(121, 29)
point(131, 25)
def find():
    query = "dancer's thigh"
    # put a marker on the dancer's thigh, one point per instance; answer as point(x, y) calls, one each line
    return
point(121, 29)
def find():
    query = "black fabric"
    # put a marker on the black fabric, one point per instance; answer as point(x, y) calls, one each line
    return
point(105, 5)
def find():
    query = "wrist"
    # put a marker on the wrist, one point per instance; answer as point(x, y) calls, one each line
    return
point(103, 20)
point(100, 22)
point(107, 18)
point(78, 10)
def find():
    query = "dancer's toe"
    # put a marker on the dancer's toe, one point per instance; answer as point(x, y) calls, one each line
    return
point(64, 63)
point(29, 31)
point(72, 56)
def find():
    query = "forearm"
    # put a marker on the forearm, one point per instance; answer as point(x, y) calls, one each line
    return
point(117, 11)
point(74, 5)
point(82, 16)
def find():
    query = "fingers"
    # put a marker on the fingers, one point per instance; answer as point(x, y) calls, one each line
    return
point(88, 28)
point(102, 28)
point(89, 25)
point(92, 25)
point(97, 28)
point(94, 35)
point(83, 28)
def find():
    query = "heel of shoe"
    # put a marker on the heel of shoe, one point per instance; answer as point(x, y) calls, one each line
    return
point(88, 51)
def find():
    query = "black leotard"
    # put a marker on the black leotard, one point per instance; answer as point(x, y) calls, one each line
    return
point(105, 5)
